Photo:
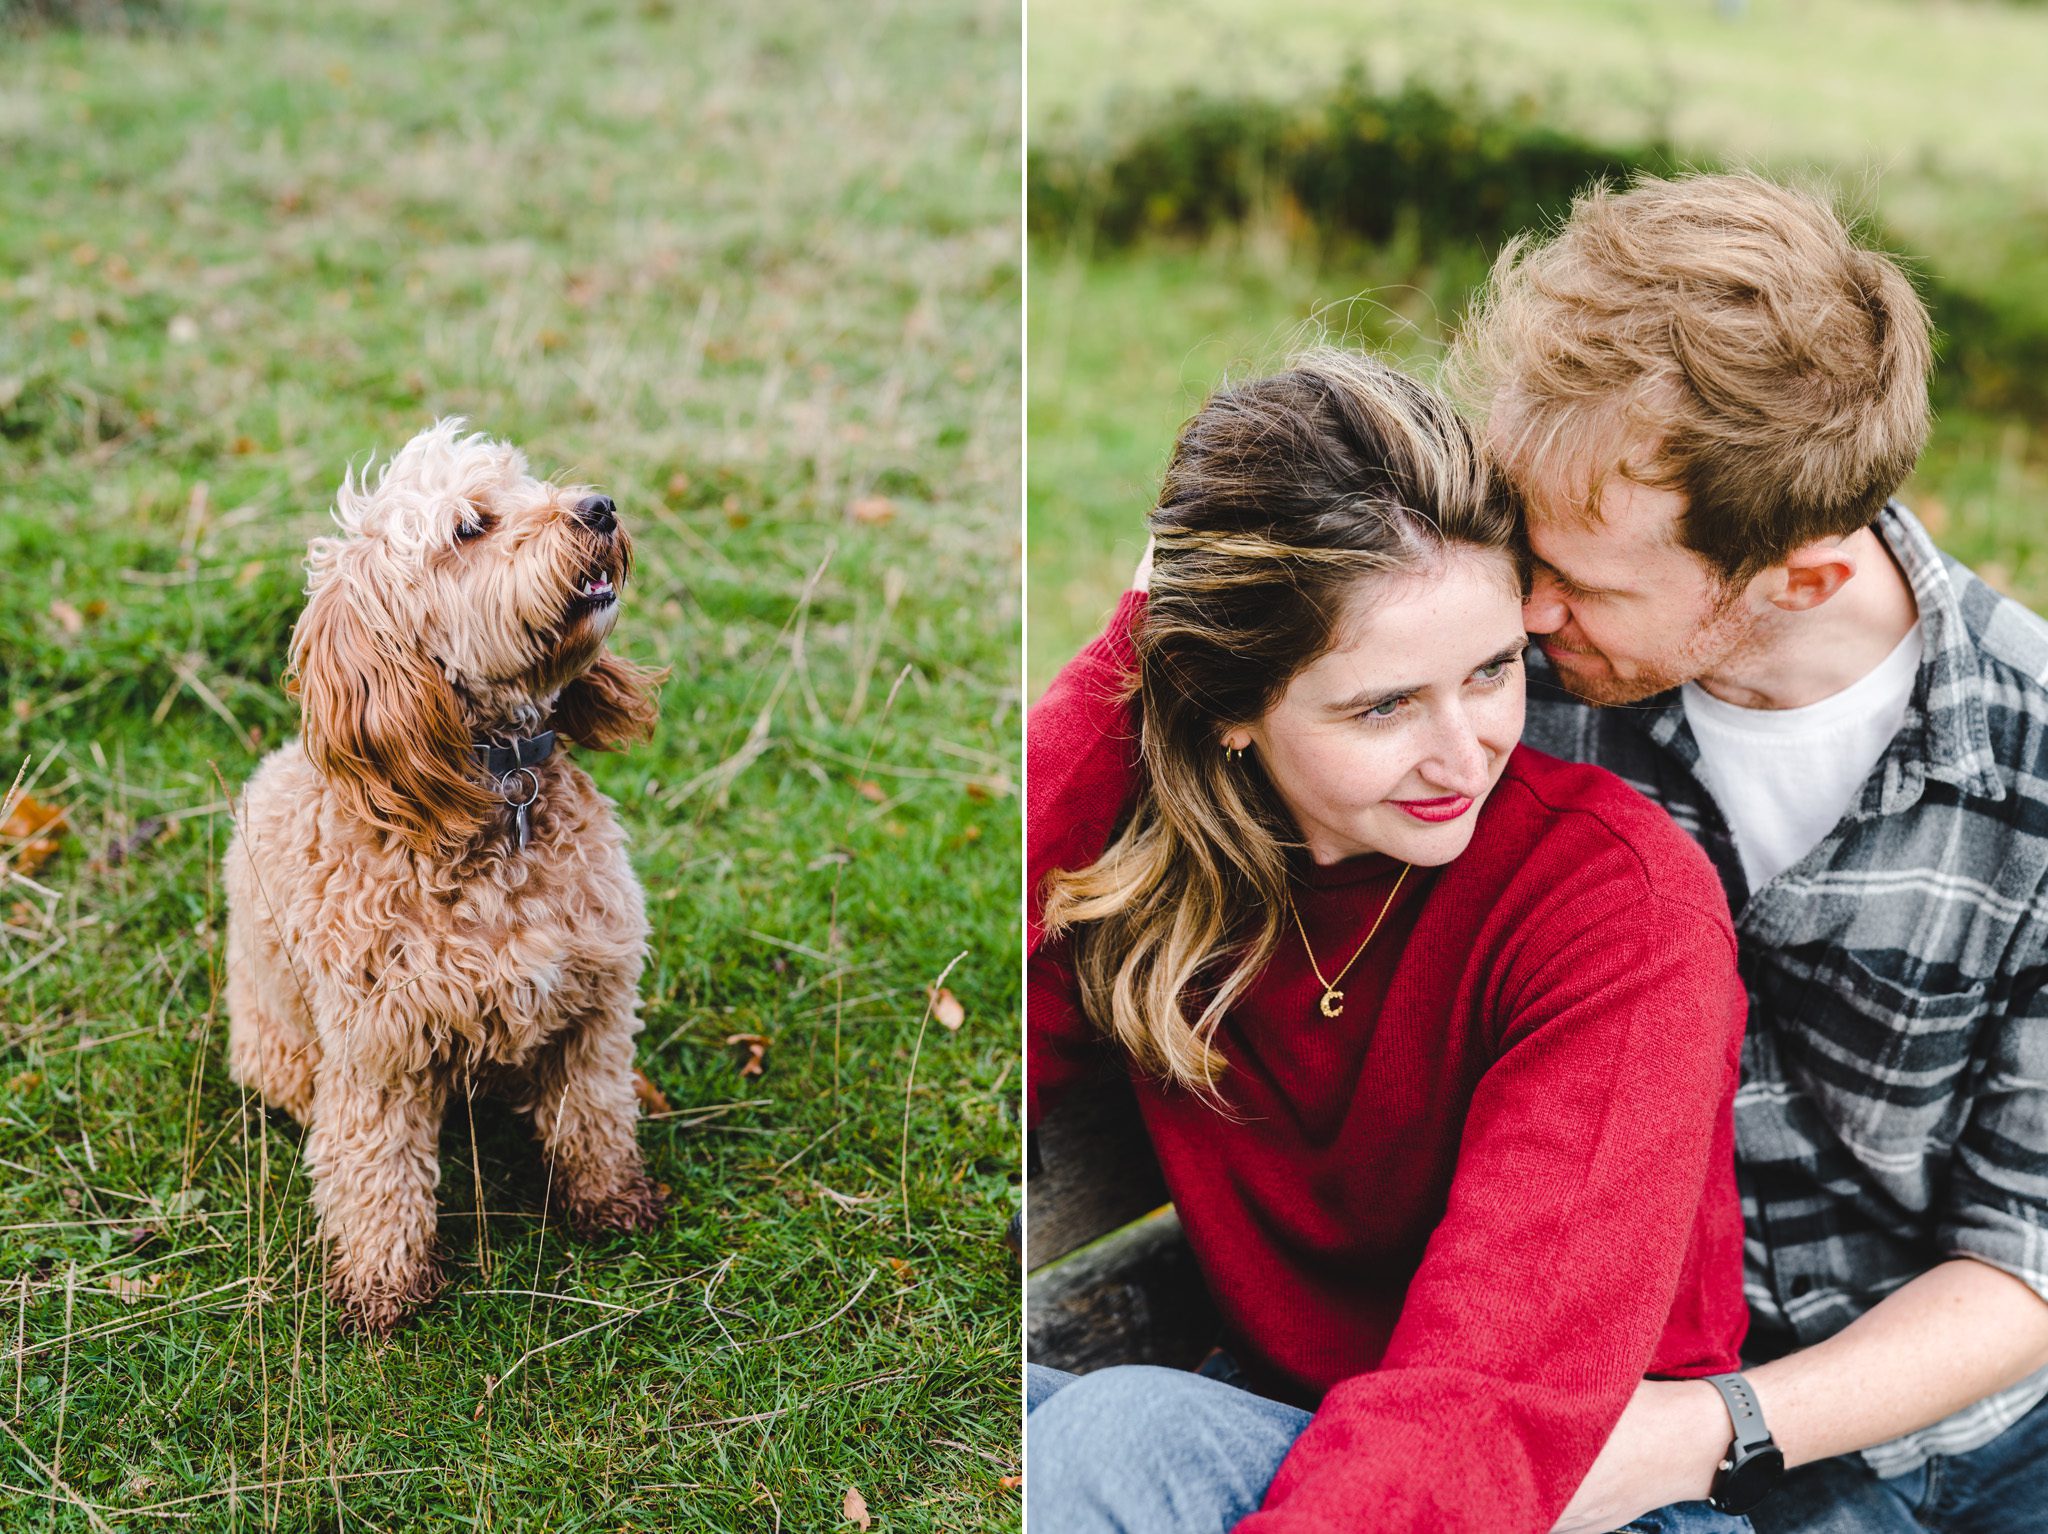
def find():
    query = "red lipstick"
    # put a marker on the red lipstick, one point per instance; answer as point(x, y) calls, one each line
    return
point(1450, 807)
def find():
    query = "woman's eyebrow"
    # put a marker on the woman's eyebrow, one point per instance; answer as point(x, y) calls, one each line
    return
point(1374, 697)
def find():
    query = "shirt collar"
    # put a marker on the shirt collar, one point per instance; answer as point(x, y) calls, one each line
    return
point(1947, 733)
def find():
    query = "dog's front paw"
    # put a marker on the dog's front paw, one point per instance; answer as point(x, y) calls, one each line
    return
point(635, 1204)
point(376, 1303)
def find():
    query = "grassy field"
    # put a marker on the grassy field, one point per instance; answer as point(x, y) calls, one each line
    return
point(754, 271)
point(1923, 114)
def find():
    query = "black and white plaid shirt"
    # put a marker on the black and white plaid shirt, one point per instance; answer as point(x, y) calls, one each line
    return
point(1893, 1110)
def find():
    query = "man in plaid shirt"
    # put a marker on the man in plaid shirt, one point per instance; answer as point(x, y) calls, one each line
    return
point(1707, 392)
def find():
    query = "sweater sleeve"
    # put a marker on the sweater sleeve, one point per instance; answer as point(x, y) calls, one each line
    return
point(1081, 767)
point(1544, 1289)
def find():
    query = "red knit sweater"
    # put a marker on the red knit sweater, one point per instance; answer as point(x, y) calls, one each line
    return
point(1462, 1220)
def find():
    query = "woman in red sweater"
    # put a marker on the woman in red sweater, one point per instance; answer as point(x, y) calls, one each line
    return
point(1435, 1037)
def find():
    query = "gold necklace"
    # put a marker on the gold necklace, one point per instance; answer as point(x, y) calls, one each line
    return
point(1333, 999)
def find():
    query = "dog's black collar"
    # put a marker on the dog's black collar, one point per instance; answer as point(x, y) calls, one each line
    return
point(524, 751)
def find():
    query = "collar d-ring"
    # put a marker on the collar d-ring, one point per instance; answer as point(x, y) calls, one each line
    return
point(513, 776)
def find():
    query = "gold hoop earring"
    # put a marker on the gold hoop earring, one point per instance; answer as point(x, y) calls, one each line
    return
point(1233, 753)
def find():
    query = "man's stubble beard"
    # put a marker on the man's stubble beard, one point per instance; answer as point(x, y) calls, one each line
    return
point(1727, 634)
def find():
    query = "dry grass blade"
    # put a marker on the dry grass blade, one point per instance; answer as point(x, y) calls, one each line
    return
point(910, 1084)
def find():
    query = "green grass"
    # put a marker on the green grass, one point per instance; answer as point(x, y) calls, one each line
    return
point(741, 268)
point(1124, 347)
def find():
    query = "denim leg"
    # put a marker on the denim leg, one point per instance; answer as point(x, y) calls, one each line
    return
point(1040, 1382)
point(1687, 1518)
point(1836, 1496)
point(2001, 1488)
point(1143, 1450)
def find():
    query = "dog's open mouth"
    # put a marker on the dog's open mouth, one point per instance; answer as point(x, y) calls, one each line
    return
point(593, 591)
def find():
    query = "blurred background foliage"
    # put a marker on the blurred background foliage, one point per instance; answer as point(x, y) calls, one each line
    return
point(1211, 185)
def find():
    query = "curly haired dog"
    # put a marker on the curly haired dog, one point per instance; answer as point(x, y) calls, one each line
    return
point(426, 898)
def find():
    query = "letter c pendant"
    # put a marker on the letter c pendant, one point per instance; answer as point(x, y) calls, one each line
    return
point(1332, 1002)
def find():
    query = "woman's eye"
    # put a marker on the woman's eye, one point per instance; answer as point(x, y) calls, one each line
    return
point(1385, 710)
point(1491, 670)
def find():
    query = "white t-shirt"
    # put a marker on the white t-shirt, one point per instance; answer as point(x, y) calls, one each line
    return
point(1784, 777)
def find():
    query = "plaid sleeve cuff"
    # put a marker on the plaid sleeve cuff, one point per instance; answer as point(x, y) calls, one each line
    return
point(2013, 1242)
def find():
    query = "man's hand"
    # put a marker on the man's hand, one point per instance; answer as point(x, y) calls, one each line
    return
point(1665, 1449)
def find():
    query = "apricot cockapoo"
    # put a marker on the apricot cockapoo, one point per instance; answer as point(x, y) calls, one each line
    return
point(426, 897)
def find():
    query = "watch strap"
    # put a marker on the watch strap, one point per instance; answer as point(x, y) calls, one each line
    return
point(1743, 1411)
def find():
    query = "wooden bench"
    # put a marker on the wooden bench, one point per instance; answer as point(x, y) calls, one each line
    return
point(1110, 1279)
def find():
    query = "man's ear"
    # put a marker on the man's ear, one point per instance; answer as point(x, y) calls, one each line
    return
point(1811, 574)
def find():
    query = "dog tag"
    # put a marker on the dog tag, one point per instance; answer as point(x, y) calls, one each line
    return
point(520, 828)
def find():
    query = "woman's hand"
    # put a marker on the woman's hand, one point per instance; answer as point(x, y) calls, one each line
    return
point(1141, 578)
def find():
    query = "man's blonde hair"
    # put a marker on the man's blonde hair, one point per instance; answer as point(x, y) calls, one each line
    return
point(1763, 362)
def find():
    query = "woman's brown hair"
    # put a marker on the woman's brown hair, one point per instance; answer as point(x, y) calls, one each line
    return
point(1282, 495)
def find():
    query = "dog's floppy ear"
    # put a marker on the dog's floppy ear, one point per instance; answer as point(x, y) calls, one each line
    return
point(382, 724)
point(611, 705)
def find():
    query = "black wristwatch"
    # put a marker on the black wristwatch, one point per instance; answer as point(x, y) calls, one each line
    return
point(1755, 1464)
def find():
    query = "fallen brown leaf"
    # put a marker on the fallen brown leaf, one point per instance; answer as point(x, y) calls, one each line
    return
point(855, 1508)
point(947, 1009)
point(869, 790)
point(650, 1095)
point(132, 1289)
point(874, 510)
point(1010, 1482)
point(30, 833)
point(757, 1050)
point(69, 618)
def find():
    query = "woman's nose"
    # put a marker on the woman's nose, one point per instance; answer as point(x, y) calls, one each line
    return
point(1457, 762)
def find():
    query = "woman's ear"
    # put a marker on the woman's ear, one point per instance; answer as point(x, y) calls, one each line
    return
point(381, 723)
point(611, 705)
point(1236, 738)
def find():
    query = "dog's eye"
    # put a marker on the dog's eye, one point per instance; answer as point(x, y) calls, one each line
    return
point(467, 532)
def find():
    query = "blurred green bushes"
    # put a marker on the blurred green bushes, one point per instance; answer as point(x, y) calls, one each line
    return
point(1359, 161)
point(85, 15)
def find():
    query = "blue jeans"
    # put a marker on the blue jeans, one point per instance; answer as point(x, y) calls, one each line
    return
point(1140, 1450)
point(2001, 1488)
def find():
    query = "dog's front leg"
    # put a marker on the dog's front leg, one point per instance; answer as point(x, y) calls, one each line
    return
point(584, 1108)
point(371, 1152)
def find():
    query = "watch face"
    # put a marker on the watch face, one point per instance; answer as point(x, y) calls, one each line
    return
point(1743, 1485)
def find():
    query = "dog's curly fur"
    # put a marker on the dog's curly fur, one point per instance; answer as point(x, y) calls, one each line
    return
point(389, 943)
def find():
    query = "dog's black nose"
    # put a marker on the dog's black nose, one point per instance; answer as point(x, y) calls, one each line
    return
point(596, 513)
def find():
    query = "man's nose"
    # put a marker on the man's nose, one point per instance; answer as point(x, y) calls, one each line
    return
point(1544, 610)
